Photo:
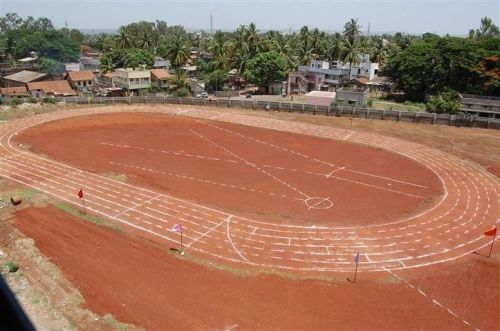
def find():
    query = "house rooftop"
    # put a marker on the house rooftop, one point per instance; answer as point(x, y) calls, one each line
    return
point(18, 91)
point(321, 94)
point(161, 74)
point(56, 87)
point(25, 76)
point(80, 75)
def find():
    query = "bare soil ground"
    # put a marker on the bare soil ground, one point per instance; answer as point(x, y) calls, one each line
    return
point(140, 282)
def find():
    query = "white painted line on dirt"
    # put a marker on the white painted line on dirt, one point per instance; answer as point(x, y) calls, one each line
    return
point(210, 230)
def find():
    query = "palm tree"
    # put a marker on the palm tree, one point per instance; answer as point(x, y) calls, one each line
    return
point(380, 52)
point(351, 53)
point(335, 48)
point(253, 39)
point(352, 30)
point(125, 38)
point(178, 51)
point(179, 80)
point(103, 42)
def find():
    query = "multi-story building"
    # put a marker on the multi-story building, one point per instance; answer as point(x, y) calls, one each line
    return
point(133, 79)
point(326, 76)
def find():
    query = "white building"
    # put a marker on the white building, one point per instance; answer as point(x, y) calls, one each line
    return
point(133, 79)
point(321, 75)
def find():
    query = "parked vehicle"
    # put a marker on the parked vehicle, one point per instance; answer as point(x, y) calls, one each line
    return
point(202, 95)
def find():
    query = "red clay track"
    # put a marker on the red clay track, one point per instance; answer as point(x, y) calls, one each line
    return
point(450, 228)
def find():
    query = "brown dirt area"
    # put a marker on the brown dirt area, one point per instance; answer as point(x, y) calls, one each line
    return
point(165, 153)
point(78, 275)
point(140, 282)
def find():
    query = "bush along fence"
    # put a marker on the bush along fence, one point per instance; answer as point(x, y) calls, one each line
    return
point(460, 120)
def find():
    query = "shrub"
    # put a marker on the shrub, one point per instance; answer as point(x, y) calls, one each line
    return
point(445, 102)
point(14, 102)
point(11, 266)
point(32, 100)
point(49, 100)
point(182, 92)
point(370, 103)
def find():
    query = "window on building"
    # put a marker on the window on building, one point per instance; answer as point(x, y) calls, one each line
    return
point(375, 71)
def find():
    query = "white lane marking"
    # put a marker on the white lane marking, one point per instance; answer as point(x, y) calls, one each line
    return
point(228, 220)
point(210, 230)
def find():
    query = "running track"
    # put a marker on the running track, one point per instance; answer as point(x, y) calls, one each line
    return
point(449, 230)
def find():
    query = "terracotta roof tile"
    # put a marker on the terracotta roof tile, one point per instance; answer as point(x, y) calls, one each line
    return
point(80, 75)
point(19, 91)
point(58, 87)
point(161, 73)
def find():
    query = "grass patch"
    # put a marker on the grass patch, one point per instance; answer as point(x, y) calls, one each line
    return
point(255, 272)
point(88, 217)
point(25, 194)
point(11, 267)
point(111, 321)
point(115, 176)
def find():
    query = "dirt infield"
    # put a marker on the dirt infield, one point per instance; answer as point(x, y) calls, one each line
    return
point(307, 180)
point(139, 282)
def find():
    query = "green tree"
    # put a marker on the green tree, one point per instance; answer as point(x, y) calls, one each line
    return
point(265, 68)
point(178, 51)
point(445, 102)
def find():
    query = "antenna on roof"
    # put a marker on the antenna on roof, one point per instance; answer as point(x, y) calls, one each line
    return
point(368, 30)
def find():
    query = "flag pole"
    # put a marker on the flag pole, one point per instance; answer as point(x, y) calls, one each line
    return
point(356, 270)
point(83, 203)
point(492, 242)
point(182, 252)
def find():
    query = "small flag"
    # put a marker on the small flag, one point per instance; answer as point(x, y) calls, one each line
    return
point(452, 141)
point(80, 194)
point(177, 228)
point(356, 259)
point(491, 232)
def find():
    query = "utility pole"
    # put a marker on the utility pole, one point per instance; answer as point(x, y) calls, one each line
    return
point(211, 25)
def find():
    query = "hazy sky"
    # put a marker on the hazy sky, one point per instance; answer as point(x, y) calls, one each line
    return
point(412, 16)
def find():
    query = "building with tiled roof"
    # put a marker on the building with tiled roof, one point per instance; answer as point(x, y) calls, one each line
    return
point(82, 81)
point(51, 88)
point(160, 77)
point(21, 78)
point(17, 91)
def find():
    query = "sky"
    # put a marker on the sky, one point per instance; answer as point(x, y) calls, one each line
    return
point(453, 17)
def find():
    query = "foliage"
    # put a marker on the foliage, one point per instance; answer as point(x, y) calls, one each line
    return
point(22, 36)
point(126, 58)
point(216, 80)
point(182, 92)
point(11, 267)
point(15, 102)
point(179, 80)
point(32, 100)
point(445, 102)
point(49, 100)
point(265, 68)
point(434, 64)
point(487, 29)
point(51, 67)
point(489, 72)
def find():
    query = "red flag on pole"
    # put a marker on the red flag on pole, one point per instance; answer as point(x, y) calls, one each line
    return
point(491, 232)
point(80, 194)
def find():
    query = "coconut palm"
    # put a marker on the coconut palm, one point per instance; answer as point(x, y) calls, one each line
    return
point(380, 52)
point(253, 39)
point(335, 48)
point(351, 53)
point(352, 30)
point(179, 80)
point(178, 51)
point(125, 37)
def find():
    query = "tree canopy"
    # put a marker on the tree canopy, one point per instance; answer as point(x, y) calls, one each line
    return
point(265, 68)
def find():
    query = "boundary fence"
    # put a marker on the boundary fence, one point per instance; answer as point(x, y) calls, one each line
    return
point(460, 120)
